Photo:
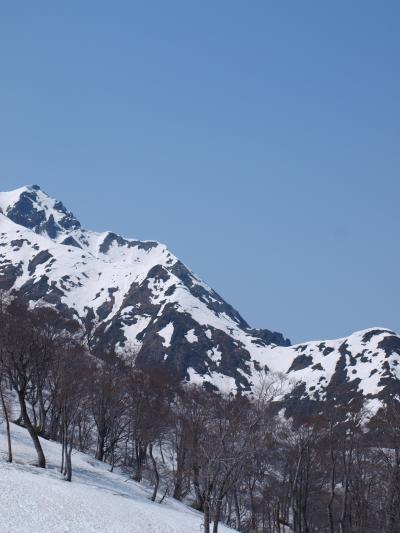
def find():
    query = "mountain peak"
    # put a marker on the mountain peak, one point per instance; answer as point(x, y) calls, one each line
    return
point(136, 297)
point(132, 294)
point(31, 207)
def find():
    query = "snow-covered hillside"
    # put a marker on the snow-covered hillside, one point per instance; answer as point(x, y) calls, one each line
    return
point(33, 500)
point(363, 366)
point(136, 295)
point(132, 294)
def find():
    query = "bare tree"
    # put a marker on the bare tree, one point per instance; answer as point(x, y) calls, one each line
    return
point(20, 355)
point(6, 410)
point(72, 400)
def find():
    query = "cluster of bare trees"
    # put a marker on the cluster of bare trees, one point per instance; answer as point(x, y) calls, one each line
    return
point(235, 458)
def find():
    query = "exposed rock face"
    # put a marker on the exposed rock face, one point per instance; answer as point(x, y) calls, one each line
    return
point(129, 294)
point(363, 366)
point(133, 295)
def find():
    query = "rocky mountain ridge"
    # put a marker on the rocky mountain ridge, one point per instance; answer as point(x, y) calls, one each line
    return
point(136, 296)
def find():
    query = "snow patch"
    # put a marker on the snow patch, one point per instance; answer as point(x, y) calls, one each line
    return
point(166, 333)
point(191, 336)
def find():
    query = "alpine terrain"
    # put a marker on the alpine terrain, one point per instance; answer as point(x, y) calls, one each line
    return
point(136, 297)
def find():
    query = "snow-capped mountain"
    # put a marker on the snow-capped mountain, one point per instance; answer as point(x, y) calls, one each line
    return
point(136, 295)
point(129, 294)
point(363, 367)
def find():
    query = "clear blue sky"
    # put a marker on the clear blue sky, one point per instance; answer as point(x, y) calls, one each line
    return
point(260, 140)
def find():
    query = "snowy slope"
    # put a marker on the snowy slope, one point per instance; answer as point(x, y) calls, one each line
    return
point(40, 501)
point(129, 292)
point(363, 366)
point(136, 295)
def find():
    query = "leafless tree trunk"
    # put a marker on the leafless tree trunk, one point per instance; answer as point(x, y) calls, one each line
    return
point(156, 474)
point(7, 420)
point(332, 487)
point(31, 430)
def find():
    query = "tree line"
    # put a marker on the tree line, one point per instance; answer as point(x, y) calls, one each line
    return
point(235, 458)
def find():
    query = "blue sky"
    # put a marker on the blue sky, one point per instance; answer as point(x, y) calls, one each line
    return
point(260, 140)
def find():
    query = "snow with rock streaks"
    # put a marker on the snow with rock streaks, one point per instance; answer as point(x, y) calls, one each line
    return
point(132, 285)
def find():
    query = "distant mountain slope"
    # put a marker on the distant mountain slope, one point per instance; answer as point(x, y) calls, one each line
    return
point(129, 293)
point(363, 366)
point(132, 294)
